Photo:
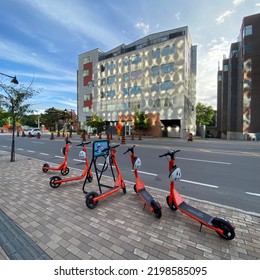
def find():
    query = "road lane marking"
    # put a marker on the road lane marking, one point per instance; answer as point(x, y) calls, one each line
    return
point(147, 173)
point(44, 154)
point(208, 161)
point(58, 157)
point(20, 149)
point(255, 194)
point(30, 151)
point(198, 183)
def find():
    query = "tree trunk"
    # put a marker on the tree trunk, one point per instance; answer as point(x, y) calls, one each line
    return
point(13, 143)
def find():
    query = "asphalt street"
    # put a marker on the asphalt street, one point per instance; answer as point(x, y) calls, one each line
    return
point(218, 171)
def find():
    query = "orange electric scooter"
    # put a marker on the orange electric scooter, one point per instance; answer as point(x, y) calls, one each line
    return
point(92, 198)
point(55, 181)
point(175, 201)
point(140, 189)
point(63, 168)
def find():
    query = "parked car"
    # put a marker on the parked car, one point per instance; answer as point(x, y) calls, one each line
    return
point(33, 131)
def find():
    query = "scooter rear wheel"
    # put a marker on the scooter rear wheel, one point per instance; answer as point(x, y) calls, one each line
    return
point(226, 226)
point(90, 179)
point(53, 180)
point(156, 208)
point(91, 204)
point(66, 172)
point(171, 204)
point(135, 189)
point(45, 169)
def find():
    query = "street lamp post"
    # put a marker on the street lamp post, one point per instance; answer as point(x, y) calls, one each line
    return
point(14, 79)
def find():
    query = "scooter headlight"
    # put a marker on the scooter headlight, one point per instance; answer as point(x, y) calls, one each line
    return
point(82, 155)
point(137, 163)
point(175, 174)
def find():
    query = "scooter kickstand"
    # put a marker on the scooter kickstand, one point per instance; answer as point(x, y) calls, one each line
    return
point(200, 227)
point(144, 206)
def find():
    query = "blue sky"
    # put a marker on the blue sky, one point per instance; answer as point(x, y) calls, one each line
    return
point(40, 40)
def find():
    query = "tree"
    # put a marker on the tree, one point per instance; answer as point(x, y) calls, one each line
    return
point(54, 118)
point(204, 114)
point(141, 122)
point(13, 99)
point(96, 122)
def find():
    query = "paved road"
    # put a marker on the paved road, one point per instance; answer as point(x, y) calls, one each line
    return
point(224, 172)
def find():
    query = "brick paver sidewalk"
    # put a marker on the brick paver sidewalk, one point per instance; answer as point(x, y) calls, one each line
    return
point(60, 224)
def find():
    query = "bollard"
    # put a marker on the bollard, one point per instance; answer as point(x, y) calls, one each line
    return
point(29, 135)
point(52, 136)
point(190, 138)
point(99, 136)
point(132, 136)
point(38, 135)
point(23, 134)
point(58, 134)
point(88, 135)
point(123, 140)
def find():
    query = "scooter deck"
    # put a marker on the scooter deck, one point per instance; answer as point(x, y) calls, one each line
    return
point(145, 195)
point(194, 212)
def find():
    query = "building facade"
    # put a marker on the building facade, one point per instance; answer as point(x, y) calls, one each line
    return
point(238, 87)
point(155, 75)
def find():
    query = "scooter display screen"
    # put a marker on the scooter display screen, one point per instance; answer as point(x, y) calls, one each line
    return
point(100, 148)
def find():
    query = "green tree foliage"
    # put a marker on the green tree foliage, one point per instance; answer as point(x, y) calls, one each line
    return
point(204, 114)
point(141, 121)
point(54, 118)
point(30, 120)
point(3, 117)
point(13, 100)
point(96, 122)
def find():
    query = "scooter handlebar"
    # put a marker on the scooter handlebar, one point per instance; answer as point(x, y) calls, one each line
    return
point(170, 153)
point(129, 150)
point(84, 143)
point(68, 142)
point(110, 147)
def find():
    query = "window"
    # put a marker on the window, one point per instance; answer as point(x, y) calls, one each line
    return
point(167, 85)
point(86, 97)
point(111, 66)
point(136, 75)
point(167, 68)
point(168, 50)
point(225, 67)
point(136, 90)
point(248, 30)
point(155, 87)
point(248, 47)
point(86, 60)
point(219, 78)
point(155, 70)
point(111, 80)
point(126, 105)
point(136, 59)
point(126, 91)
point(85, 73)
point(111, 93)
point(126, 77)
point(125, 62)
point(156, 53)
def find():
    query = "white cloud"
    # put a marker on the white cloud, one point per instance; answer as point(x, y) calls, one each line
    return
point(178, 15)
point(238, 2)
point(222, 17)
point(142, 26)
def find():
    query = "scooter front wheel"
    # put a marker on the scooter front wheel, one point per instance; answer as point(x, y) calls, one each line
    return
point(45, 167)
point(91, 204)
point(65, 172)
point(53, 182)
point(171, 203)
point(226, 226)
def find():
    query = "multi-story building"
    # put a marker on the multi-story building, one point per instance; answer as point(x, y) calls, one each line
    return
point(155, 75)
point(239, 85)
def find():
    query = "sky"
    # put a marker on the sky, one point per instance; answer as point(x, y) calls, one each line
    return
point(40, 40)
